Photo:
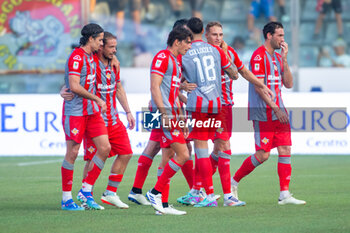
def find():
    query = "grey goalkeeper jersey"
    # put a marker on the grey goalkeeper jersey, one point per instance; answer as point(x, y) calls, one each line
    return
point(202, 65)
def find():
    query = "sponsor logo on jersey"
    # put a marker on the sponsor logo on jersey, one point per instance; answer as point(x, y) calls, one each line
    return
point(75, 131)
point(158, 63)
point(256, 67)
point(257, 58)
point(161, 55)
point(91, 149)
point(265, 140)
point(77, 57)
point(75, 65)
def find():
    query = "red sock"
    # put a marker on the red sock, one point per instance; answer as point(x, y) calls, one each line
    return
point(205, 174)
point(214, 164)
point(187, 170)
point(67, 179)
point(246, 168)
point(93, 175)
point(168, 172)
point(143, 165)
point(225, 174)
point(284, 173)
point(197, 182)
point(113, 182)
point(165, 193)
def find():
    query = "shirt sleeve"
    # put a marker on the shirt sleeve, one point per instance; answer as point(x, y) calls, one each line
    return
point(160, 64)
point(225, 63)
point(236, 60)
point(75, 64)
point(257, 65)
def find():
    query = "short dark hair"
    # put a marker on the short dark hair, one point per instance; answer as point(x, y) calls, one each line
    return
point(107, 36)
point(212, 24)
point(180, 34)
point(195, 25)
point(180, 23)
point(271, 28)
point(88, 30)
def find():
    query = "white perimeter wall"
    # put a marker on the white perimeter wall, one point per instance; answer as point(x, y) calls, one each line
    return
point(31, 125)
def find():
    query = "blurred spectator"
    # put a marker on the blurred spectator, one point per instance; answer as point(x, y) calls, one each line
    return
point(282, 6)
point(324, 7)
point(341, 58)
point(257, 7)
point(196, 7)
point(324, 58)
point(176, 6)
point(118, 6)
point(243, 52)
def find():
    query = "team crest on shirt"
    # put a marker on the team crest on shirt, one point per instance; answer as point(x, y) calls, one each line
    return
point(75, 131)
point(75, 65)
point(164, 139)
point(256, 67)
point(91, 149)
point(158, 63)
point(257, 58)
point(220, 130)
point(77, 57)
point(265, 140)
point(275, 67)
point(176, 133)
point(161, 55)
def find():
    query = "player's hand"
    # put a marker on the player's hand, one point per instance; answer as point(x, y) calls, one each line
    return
point(102, 105)
point(66, 94)
point(115, 63)
point(282, 116)
point(188, 87)
point(284, 52)
point(224, 46)
point(150, 106)
point(131, 120)
point(268, 92)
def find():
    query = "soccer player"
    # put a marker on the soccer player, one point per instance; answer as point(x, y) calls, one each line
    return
point(270, 120)
point(153, 147)
point(165, 83)
point(202, 65)
point(221, 155)
point(81, 116)
point(108, 89)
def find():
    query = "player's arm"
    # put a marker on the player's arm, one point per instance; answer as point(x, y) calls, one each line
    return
point(280, 114)
point(182, 98)
point(250, 77)
point(156, 81)
point(287, 76)
point(115, 63)
point(74, 84)
point(123, 100)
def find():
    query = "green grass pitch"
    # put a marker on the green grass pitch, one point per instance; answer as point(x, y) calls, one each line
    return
point(30, 196)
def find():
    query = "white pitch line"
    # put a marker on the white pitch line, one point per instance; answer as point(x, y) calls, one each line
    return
point(39, 162)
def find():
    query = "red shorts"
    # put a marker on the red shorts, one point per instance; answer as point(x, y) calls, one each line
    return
point(225, 116)
point(203, 131)
point(76, 127)
point(156, 135)
point(271, 134)
point(118, 138)
point(172, 136)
